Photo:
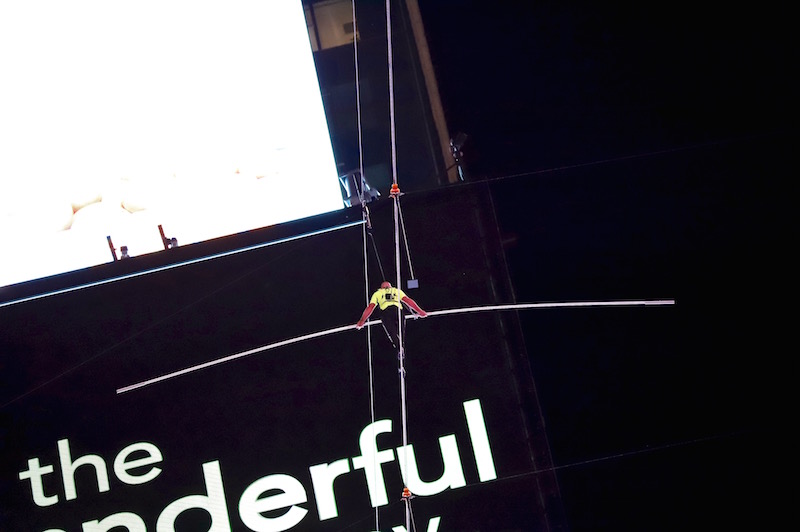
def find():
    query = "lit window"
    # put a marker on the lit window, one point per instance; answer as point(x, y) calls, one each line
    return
point(330, 24)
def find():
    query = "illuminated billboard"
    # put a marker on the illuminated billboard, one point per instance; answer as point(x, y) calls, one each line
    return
point(235, 393)
point(123, 124)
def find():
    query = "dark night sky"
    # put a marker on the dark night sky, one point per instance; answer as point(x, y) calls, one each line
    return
point(696, 101)
point(542, 84)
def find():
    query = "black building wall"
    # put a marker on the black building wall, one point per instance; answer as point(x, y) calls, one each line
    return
point(420, 163)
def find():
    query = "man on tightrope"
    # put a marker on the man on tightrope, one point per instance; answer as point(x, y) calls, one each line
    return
point(391, 301)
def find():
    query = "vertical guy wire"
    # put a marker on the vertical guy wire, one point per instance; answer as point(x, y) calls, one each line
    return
point(397, 249)
point(364, 230)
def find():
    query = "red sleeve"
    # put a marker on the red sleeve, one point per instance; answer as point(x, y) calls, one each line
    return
point(366, 314)
point(413, 304)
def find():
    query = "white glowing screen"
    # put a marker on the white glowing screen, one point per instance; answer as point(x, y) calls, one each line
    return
point(116, 117)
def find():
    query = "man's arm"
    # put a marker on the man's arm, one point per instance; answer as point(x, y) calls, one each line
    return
point(413, 304)
point(364, 315)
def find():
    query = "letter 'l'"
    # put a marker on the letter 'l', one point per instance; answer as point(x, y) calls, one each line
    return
point(480, 440)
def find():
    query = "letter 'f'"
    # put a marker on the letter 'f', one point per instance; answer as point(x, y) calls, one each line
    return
point(371, 459)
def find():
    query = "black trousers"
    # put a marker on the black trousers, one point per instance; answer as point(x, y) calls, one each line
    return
point(389, 321)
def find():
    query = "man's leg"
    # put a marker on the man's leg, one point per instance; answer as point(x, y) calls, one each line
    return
point(389, 322)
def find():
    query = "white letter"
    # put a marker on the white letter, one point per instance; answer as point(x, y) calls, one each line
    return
point(322, 477)
point(68, 468)
point(250, 506)
point(121, 467)
point(480, 440)
point(35, 472)
point(370, 460)
point(131, 522)
point(214, 503)
point(453, 476)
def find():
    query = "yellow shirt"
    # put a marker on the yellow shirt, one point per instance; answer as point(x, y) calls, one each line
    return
point(387, 297)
